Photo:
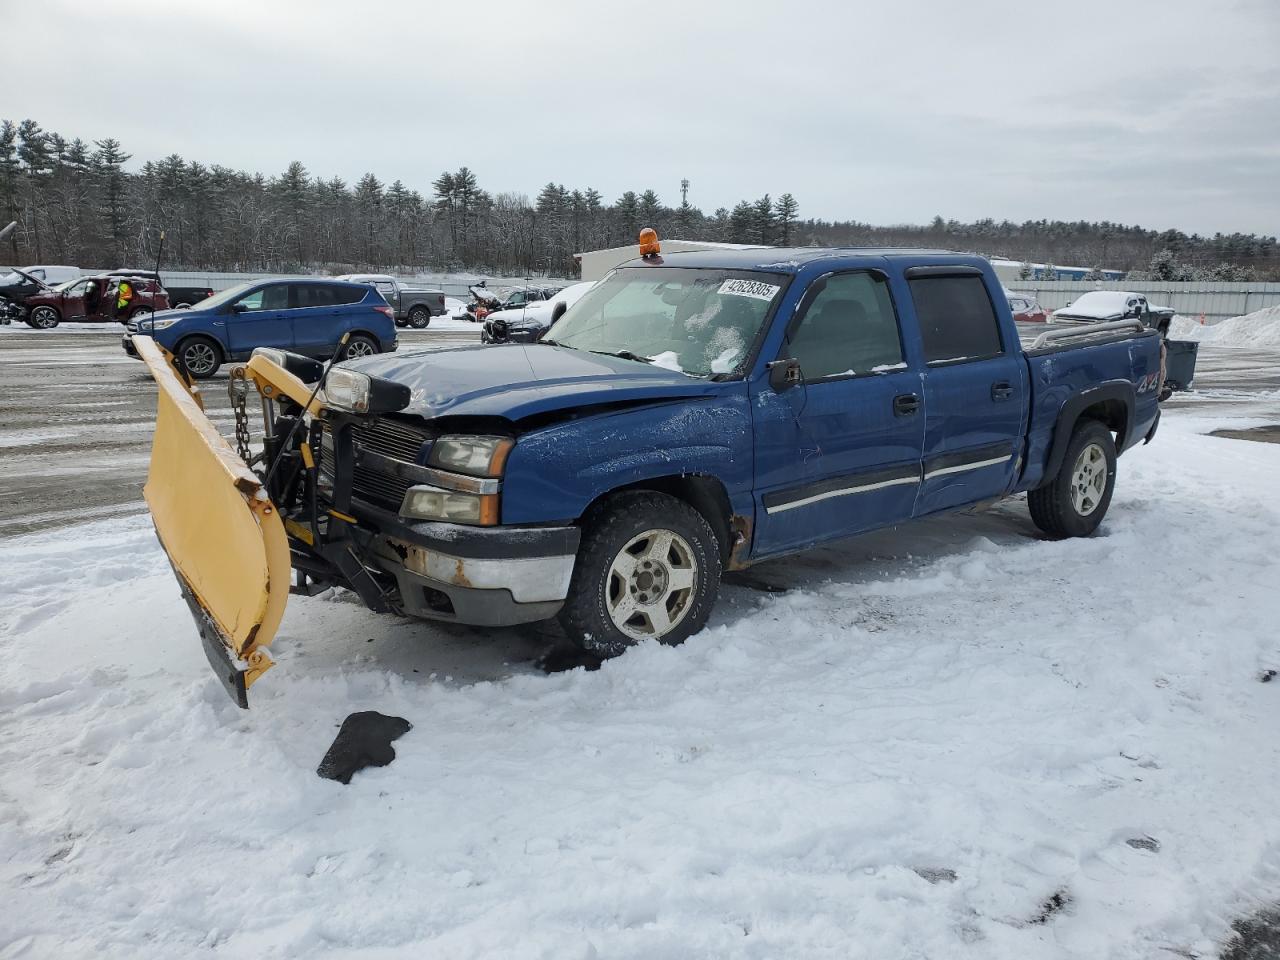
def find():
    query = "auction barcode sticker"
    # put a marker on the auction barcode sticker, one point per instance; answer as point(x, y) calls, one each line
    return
point(748, 288)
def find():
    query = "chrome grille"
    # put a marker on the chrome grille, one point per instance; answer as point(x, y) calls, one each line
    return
point(391, 438)
point(394, 438)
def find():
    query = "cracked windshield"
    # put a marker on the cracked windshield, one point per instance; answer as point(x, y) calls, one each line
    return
point(697, 322)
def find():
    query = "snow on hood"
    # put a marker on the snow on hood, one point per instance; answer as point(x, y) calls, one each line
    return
point(1099, 305)
point(514, 381)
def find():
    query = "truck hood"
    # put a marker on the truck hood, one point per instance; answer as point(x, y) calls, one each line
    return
point(515, 381)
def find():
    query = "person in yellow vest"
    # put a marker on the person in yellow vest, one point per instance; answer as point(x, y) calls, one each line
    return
point(124, 296)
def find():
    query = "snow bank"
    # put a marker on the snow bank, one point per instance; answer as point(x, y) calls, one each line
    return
point(912, 750)
point(1258, 329)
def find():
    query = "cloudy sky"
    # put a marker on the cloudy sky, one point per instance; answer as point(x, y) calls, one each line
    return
point(1138, 111)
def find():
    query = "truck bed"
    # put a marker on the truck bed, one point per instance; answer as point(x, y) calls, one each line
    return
point(1070, 370)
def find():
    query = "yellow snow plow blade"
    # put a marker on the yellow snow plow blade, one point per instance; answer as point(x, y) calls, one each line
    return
point(224, 537)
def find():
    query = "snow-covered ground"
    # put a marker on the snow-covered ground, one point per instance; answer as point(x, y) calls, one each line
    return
point(795, 781)
point(930, 735)
point(64, 328)
point(1258, 329)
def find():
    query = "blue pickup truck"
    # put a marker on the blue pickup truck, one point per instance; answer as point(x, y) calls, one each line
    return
point(694, 414)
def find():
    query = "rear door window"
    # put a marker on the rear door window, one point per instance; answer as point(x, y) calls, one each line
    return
point(313, 295)
point(957, 320)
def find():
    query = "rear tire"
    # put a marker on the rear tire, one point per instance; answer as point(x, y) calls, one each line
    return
point(359, 346)
point(648, 568)
point(419, 318)
point(201, 356)
point(1074, 502)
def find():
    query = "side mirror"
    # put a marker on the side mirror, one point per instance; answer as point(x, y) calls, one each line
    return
point(784, 374)
point(239, 308)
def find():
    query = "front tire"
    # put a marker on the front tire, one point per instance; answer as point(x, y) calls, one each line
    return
point(648, 568)
point(1074, 502)
point(201, 356)
point(44, 318)
point(419, 318)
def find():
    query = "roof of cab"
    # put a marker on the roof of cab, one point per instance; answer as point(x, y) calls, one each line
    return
point(784, 259)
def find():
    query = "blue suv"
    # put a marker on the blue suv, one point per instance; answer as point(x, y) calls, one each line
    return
point(305, 316)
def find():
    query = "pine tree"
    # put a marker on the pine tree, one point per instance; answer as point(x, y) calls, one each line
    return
point(742, 223)
point(785, 215)
point(626, 208)
point(368, 201)
point(762, 223)
point(36, 156)
point(649, 211)
point(108, 168)
point(293, 191)
point(9, 180)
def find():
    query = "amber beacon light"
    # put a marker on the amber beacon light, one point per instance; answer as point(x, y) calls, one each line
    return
point(649, 246)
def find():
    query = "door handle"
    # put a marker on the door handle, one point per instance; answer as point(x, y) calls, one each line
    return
point(1001, 390)
point(904, 405)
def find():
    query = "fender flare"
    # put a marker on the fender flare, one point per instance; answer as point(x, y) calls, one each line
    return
point(1121, 390)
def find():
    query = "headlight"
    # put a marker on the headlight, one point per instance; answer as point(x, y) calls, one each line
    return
point(347, 390)
point(360, 393)
point(432, 503)
point(477, 456)
point(163, 324)
point(304, 368)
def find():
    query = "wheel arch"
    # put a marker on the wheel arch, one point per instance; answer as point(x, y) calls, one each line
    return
point(706, 494)
point(368, 335)
point(1111, 403)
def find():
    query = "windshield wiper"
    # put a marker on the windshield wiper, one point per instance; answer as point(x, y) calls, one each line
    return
point(622, 354)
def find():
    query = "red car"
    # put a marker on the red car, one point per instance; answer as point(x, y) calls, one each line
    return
point(93, 299)
point(1026, 309)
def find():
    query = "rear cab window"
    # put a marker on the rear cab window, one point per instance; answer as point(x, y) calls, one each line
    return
point(957, 319)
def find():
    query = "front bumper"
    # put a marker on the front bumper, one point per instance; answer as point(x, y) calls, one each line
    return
point(483, 576)
point(127, 342)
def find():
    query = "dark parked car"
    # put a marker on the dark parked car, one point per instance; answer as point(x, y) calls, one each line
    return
point(15, 287)
point(179, 297)
point(93, 300)
point(305, 316)
point(413, 306)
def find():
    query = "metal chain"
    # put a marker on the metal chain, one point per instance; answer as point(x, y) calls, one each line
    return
point(238, 391)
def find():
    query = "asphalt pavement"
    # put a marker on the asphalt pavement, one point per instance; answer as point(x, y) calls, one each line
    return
point(76, 417)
